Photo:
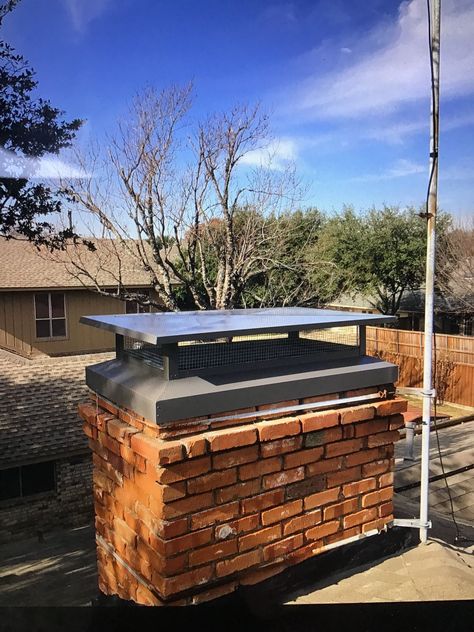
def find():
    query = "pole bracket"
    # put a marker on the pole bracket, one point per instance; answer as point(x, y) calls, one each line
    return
point(411, 523)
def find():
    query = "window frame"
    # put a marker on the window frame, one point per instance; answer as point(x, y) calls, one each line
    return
point(37, 495)
point(50, 318)
point(145, 292)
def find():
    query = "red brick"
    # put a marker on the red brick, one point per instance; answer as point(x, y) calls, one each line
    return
point(101, 421)
point(360, 517)
point(172, 528)
point(213, 593)
point(109, 406)
point(215, 514)
point(234, 527)
point(342, 535)
point(240, 490)
point(359, 487)
point(187, 505)
point(386, 479)
point(213, 552)
point(183, 471)
point(363, 456)
point(89, 431)
point(386, 509)
point(326, 465)
point(103, 481)
point(159, 563)
point(343, 447)
point(382, 438)
point(357, 413)
point(146, 598)
point(277, 514)
point(87, 412)
point(119, 465)
point(304, 553)
point(322, 437)
point(302, 457)
point(378, 497)
point(252, 540)
point(378, 524)
point(120, 430)
point(300, 523)
point(396, 422)
point(188, 541)
point(348, 432)
point(171, 452)
point(322, 498)
point(281, 446)
point(320, 398)
point(377, 467)
point(263, 501)
point(255, 577)
point(175, 491)
point(195, 446)
point(318, 421)
point(345, 476)
point(122, 529)
point(231, 438)
point(109, 443)
point(371, 427)
point(238, 563)
point(266, 466)
point(235, 457)
point(283, 478)
point(213, 480)
point(341, 509)
point(327, 528)
point(145, 446)
point(390, 407)
point(175, 585)
point(282, 548)
point(271, 430)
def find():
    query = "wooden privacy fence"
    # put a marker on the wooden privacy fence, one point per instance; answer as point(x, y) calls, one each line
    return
point(405, 348)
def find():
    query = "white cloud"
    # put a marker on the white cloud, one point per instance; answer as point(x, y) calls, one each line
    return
point(400, 169)
point(346, 51)
point(277, 155)
point(397, 72)
point(82, 12)
point(44, 168)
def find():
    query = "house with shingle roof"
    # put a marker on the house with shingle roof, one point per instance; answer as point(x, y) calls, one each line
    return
point(45, 463)
point(42, 296)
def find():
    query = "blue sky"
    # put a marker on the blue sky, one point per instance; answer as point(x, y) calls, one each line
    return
point(345, 81)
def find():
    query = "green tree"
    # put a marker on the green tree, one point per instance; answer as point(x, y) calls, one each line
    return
point(29, 129)
point(379, 253)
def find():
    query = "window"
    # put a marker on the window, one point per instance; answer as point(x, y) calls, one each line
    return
point(27, 480)
point(50, 315)
point(133, 307)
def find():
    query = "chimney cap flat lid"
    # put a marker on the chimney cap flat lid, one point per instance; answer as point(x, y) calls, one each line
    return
point(172, 327)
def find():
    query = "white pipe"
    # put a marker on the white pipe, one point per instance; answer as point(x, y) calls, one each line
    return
point(290, 409)
point(430, 265)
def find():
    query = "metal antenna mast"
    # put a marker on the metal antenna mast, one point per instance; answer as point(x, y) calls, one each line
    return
point(434, 17)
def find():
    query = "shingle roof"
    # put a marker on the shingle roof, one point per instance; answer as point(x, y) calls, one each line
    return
point(22, 266)
point(38, 406)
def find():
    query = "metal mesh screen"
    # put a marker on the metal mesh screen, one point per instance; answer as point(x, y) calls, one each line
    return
point(143, 351)
point(251, 349)
point(262, 348)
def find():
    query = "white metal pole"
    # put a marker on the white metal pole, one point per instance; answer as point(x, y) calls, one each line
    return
point(430, 265)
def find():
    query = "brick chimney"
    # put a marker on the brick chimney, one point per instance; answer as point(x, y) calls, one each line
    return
point(188, 510)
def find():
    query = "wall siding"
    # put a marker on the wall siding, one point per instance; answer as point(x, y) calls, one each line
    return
point(17, 324)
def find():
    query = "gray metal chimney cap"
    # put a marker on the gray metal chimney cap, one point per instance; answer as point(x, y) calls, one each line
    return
point(171, 327)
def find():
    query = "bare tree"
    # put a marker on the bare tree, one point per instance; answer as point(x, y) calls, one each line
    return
point(455, 268)
point(186, 205)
